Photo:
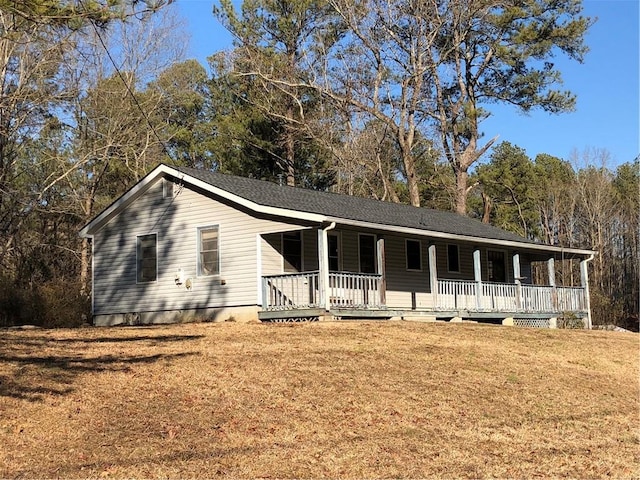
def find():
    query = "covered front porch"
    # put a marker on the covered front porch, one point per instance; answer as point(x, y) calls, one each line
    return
point(393, 290)
point(362, 295)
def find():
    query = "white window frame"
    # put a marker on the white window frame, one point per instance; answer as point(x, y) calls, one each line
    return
point(138, 269)
point(375, 255)
point(406, 254)
point(282, 234)
point(199, 231)
point(458, 255)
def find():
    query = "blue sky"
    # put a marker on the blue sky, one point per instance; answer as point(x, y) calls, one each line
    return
point(606, 84)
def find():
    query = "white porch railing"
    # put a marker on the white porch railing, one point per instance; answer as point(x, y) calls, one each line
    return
point(537, 299)
point(364, 291)
point(291, 291)
point(457, 295)
point(571, 299)
point(355, 290)
point(503, 297)
point(302, 290)
point(499, 297)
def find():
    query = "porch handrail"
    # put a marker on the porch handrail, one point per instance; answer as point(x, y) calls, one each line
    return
point(453, 294)
point(363, 291)
point(291, 291)
point(499, 297)
point(457, 294)
point(355, 290)
point(572, 299)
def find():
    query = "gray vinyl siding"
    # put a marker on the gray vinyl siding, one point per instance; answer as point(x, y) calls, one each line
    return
point(466, 261)
point(175, 221)
point(402, 285)
point(406, 288)
point(310, 249)
point(350, 251)
point(271, 245)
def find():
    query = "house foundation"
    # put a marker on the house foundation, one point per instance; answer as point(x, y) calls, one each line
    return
point(242, 314)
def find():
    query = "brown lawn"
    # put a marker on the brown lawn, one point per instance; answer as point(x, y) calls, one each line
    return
point(339, 400)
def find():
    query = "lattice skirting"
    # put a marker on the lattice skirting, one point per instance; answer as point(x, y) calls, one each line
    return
point(532, 322)
point(291, 320)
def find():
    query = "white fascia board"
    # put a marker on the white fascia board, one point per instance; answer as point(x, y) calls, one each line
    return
point(123, 200)
point(162, 170)
point(463, 238)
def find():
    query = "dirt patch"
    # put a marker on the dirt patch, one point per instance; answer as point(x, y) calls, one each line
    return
point(347, 400)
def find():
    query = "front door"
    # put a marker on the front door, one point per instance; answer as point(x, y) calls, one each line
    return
point(496, 266)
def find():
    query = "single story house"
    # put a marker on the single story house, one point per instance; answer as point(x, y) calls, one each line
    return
point(185, 243)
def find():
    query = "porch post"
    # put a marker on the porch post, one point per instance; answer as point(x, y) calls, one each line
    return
point(584, 280)
point(433, 274)
point(551, 270)
point(262, 297)
point(323, 268)
point(382, 270)
point(516, 278)
point(477, 275)
point(551, 267)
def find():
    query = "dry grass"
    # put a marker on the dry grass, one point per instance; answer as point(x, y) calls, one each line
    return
point(340, 400)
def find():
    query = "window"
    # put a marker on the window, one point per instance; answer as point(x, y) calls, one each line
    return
point(147, 258)
point(292, 251)
point(496, 268)
point(334, 252)
point(413, 251)
point(367, 253)
point(453, 258)
point(208, 251)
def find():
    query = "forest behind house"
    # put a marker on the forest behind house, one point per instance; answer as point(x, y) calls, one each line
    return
point(376, 99)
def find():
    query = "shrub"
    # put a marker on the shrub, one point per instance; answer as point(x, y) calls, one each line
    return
point(571, 321)
point(50, 305)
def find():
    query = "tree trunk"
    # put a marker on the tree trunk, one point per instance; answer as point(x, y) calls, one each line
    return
point(85, 254)
point(84, 268)
point(412, 179)
point(290, 153)
point(461, 191)
point(486, 208)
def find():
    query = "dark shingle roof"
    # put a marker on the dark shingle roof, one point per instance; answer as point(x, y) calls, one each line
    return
point(351, 208)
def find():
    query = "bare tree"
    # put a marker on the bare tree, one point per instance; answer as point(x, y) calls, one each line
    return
point(116, 134)
point(435, 64)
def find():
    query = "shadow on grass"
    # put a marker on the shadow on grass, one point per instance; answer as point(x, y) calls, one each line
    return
point(42, 339)
point(32, 367)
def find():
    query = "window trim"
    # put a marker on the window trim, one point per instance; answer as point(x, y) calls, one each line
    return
point(449, 270)
point(406, 254)
point(199, 231)
point(375, 255)
point(138, 251)
point(282, 234)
